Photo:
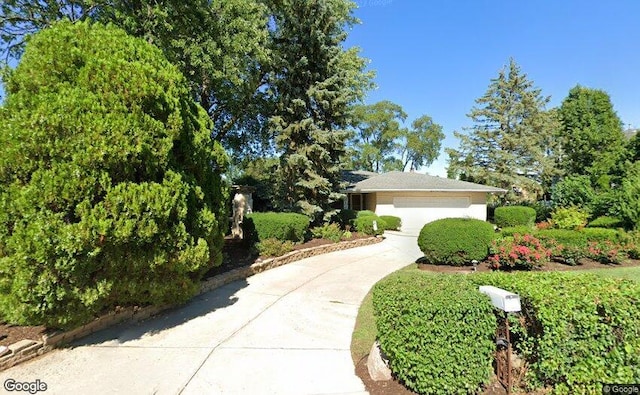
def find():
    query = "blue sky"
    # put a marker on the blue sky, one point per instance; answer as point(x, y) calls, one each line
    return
point(437, 57)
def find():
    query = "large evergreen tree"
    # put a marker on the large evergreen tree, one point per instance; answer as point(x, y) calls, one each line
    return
point(314, 84)
point(592, 140)
point(508, 145)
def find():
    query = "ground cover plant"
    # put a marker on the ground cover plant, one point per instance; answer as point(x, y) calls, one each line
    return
point(455, 241)
point(110, 189)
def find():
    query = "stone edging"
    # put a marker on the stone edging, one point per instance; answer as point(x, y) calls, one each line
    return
point(28, 349)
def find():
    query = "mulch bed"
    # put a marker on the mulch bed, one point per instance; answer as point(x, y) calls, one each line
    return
point(236, 253)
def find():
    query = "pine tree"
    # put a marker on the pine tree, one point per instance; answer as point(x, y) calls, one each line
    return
point(508, 145)
point(313, 86)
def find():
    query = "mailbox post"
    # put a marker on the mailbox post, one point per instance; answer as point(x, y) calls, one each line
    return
point(508, 302)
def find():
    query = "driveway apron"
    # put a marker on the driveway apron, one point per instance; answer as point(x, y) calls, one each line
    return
point(283, 331)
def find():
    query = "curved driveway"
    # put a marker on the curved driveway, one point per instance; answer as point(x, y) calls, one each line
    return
point(283, 331)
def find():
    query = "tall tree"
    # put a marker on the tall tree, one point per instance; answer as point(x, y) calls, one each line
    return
point(380, 142)
point(592, 138)
point(314, 84)
point(506, 146)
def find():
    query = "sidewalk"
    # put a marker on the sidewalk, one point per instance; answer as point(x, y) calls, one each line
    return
point(283, 331)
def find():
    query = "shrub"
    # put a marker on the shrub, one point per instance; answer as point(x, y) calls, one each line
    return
point(328, 231)
point(576, 331)
point(507, 216)
point(274, 247)
point(573, 191)
point(543, 209)
point(364, 224)
point(523, 252)
point(605, 222)
point(606, 252)
point(392, 222)
point(522, 230)
point(110, 192)
point(365, 213)
point(563, 236)
point(569, 217)
point(627, 203)
point(281, 226)
point(601, 234)
point(437, 332)
point(346, 218)
point(455, 241)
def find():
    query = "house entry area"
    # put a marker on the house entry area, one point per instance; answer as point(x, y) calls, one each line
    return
point(358, 201)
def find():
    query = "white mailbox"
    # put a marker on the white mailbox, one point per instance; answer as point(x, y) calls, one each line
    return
point(502, 299)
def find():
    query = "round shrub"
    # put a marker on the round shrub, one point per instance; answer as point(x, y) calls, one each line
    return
point(569, 217)
point(392, 222)
point(437, 331)
point(280, 226)
point(507, 216)
point(365, 224)
point(110, 192)
point(455, 241)
point(365, 213)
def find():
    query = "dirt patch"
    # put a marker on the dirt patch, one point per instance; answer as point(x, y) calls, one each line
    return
point(10, 334)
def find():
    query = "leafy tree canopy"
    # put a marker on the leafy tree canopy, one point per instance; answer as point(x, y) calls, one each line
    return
point(110, 188)
point(592, 138)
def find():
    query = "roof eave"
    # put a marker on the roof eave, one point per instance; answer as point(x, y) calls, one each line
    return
point(497, 190)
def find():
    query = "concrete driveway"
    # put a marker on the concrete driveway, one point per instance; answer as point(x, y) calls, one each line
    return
point(283, 331)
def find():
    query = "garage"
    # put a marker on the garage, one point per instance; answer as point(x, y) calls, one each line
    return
point(417, 211)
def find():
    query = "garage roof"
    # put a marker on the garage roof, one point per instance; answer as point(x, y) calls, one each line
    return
point(361, 181)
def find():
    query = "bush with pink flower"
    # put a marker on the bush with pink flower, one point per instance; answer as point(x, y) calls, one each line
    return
point(522, 252)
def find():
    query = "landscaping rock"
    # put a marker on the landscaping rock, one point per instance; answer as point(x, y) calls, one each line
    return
point(377, 364)
point(4, 350)
point(21, 345)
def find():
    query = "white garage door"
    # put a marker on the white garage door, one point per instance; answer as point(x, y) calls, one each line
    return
point(417, 211)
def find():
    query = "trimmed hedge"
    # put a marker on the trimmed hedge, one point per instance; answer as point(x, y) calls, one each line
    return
point(365, 213)
point(392, 222)
point(606, 222)
point(521, 230)
point(455, 241)
point(437, 331)
point(364, 224)
point(578, 330)
point(508, 216)
point(280, 226)
point(565, 237)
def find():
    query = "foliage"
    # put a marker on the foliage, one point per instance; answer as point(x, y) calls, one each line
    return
point(543, 209)
point(261, 174)
point(576, 331)
point(346, 218)
point(592, 138)
point(314, 84)
point(627, 201)
point(280, 226)
point(274, 247)
point(110, 187)
point(569, 217)
point(392, 222)
point(605, 222)
point(513, 230)
point(514, 216)
point(574, 190)
point(606, 252)
point(601, 234)
point(328, 231)
point(436, 330)
point(455, 241)
point(565, 237)
point(512, 134)
point(379, 142)
point(522, 252)
point(365, 224)
point(365, 213)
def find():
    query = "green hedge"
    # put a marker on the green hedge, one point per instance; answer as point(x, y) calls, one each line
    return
point(606, 222)
point(392, 222)
point(508, 216)
point(565, 237)
point(365, 213)
point(437, 331)
point(364, 224)
point(521, 230)
point(280, 226)
point(578, 331)
point(455, 241)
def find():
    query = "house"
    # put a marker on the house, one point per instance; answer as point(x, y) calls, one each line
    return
point(415, 198)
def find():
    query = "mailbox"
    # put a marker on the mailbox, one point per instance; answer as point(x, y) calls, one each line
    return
point(502, 299)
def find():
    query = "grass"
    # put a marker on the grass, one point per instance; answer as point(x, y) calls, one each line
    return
point(365, 332)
